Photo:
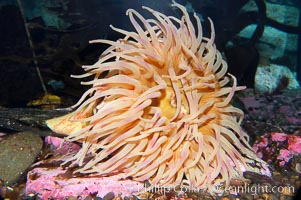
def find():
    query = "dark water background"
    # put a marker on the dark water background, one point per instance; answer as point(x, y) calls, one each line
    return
point(60, 30)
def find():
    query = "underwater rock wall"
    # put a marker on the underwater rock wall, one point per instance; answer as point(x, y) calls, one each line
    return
point(276, 46)
point(60, 31)
point(274, 78)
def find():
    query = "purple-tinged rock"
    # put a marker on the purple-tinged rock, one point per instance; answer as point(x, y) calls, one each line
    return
point(60, 146)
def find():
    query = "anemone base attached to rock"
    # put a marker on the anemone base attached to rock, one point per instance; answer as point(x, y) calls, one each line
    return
point(162, 113)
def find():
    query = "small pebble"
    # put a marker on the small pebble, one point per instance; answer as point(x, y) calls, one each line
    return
point(293, 178)
point(255, 177)
point(287, 190)
point(298, 184)
point(239, 182)
point(284, 180)
point(141, 196)
point(284, 197)
point(298, 167)
point(109, 196)
point(273, 197)
point(135, 197)
point(256, 196)
point(246, 196)
point(266, 196)
point(193, 196)
point(72, 198)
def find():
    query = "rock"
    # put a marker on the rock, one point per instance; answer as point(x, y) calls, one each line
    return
point(288, 190)
point(53, 183)
point(280, 150)
point(109, 196)
point(60, 146)
point(273, 78)
point(17, 154)
point(267, 113)
point(28, 119)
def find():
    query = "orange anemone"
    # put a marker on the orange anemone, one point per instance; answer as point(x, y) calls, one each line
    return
point(162, 113)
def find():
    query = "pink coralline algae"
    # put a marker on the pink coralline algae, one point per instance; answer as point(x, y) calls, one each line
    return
point(279, 149)
point(284, 156)
point(59, 183)
point(262, 143)
point(60, 146)
point(294, 144)
point(278, 137)
point(51, 184)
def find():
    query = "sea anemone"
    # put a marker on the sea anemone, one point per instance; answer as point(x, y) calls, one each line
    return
point(162, 112)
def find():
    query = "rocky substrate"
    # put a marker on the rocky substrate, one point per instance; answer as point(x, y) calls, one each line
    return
point(272, 121)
